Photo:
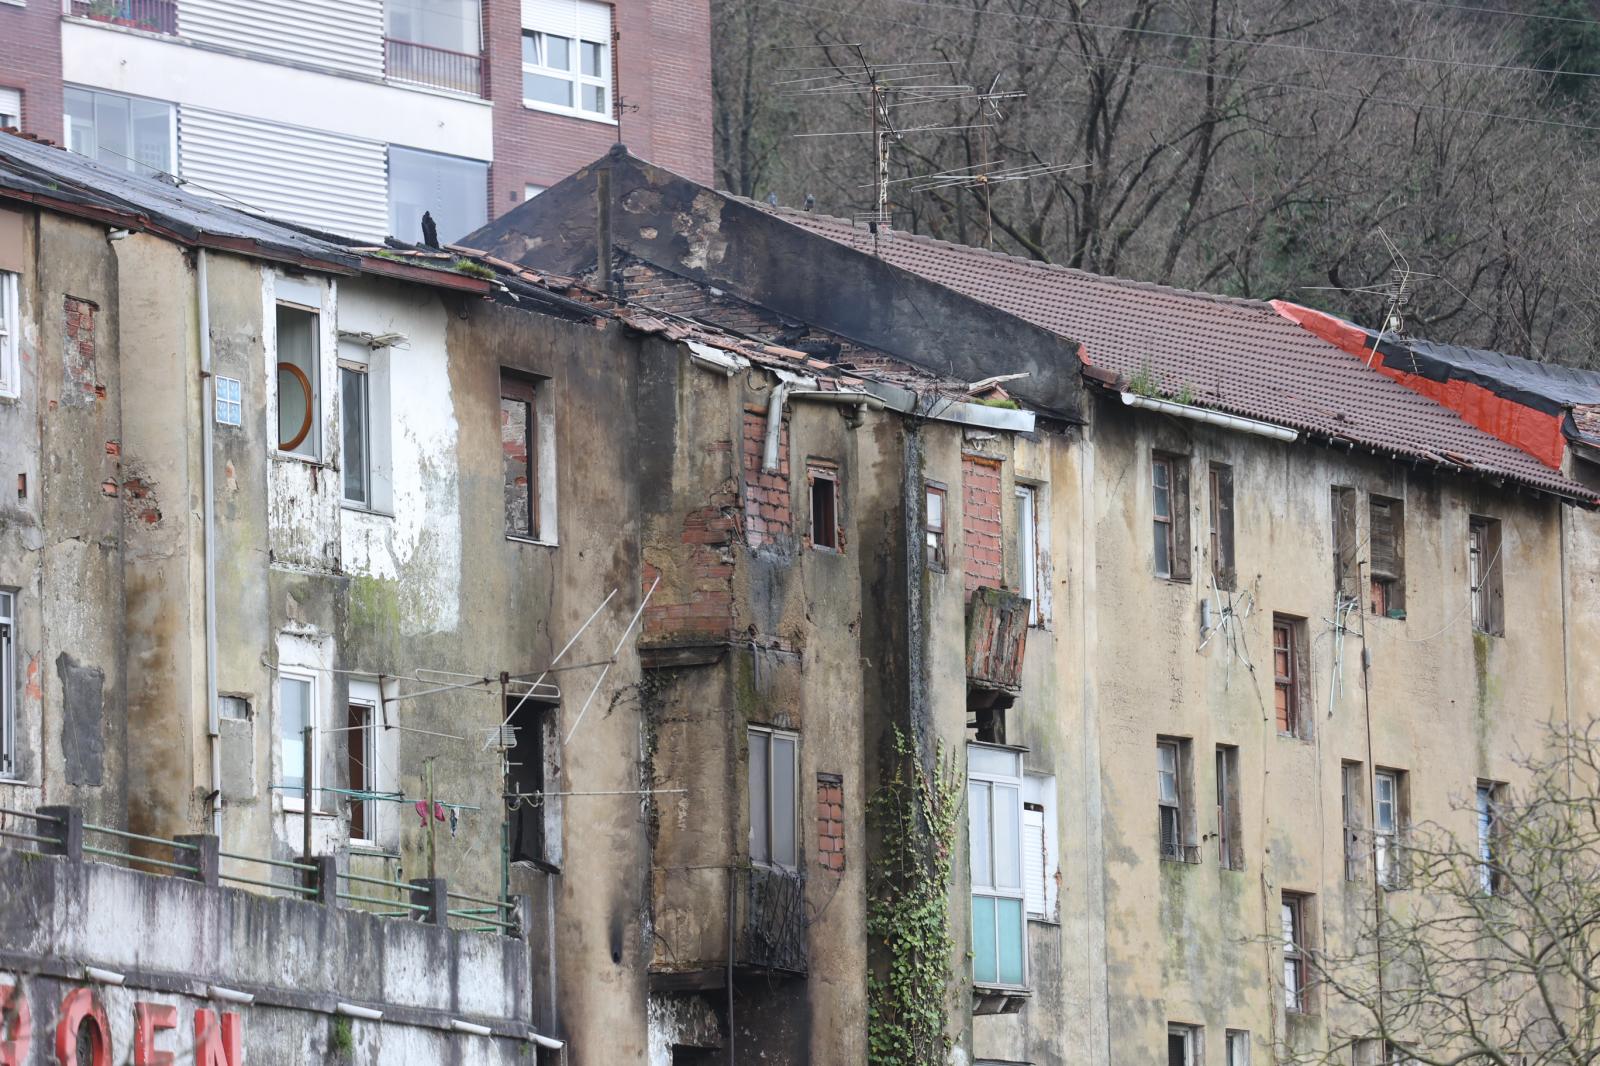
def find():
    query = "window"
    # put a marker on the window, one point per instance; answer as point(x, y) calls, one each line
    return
point(1388, 827)
point(1353, 799)
point(1219, 512)
point(933, 524)
point(1169, 482)
point(230, 408)
point(361, 750)
point(1484, 566)
point(299, 380)
point(297, 737)
point(454, 191)
point(774, 773)
point(8, 684)
point(1230, 829)
point(121, 132)
point(1490, 801)
point(532, 761)
point(1028, 549)
point(448, 24)
point(994, 828)
point(1346, 541)
point(10, 336)
point(1174, 801)
point(1296, 954)
point(1237, 1050)
point(1290, 693)
point(1183, 1045)
point(519, 445)
point(566, 58)
point(1039, 845)
point(364, 424)
point(824, 483)
point(530, 191)
point(1386, 550)
point(11, 108)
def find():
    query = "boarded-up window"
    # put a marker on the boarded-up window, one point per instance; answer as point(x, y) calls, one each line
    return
point(1346, 538)
point(1169, 488)
point(1220, 514)
point(1485, 562)
point(1290, 692)
point(518, 447)
point(1230, 828)
point(1353, 800)
point(1387, 552)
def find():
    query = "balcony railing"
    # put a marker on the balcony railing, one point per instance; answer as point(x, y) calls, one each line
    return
point(423, 64)
point(153, 16)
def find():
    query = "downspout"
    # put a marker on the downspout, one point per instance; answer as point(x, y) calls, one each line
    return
point(208, 505)
point(791, 386)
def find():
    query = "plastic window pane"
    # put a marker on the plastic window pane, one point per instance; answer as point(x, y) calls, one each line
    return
point(985, 960)
point(1008, 935)
point(1007, 800)
point(294, 714)
point(760, 837)
point(980, 820)
point(783, 801)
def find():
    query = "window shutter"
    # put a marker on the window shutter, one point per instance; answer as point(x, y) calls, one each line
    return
point(1224, 491)
point(1182, 549)
point(1035, 888)
point(1384, 560)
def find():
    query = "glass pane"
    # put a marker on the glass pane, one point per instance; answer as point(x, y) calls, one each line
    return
point(111, 127)
point(80, 122)
point(935, 510)
point(1288, 923)
point(1385, 805)
point(152, 136)
point(1167, 772)
point(557, 52)
point(297, 381)
point(1009, 927)
point(294, 712)
point(985, 964)
point(453, 190)
point(783, 800)
point(978, 823)
point(999, 763)
point(530, 49)
point(516, 450)
point(1163, 553)
point(760, 842)
point(594, 99)
point(543, 89)
point(354, 412)
point(594, 59)
point(1007, 834)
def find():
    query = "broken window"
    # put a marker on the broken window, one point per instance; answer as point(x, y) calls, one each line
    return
point(1039, 845)
point(1173, 800)
point(532, 770)
point(10, 328)
point(299, 377)
point(1389, 818)
point(933, 524)
point(1296, 953)
point(1490, 800)
point(297, 737)
point(8, 685)
point(361, 757)
point(1183, 1045)
point(1169, 484)
point(1353, 801)
point(519, 448)
point(1237, 1049)
point(1290, 693)
point(1386, 550)
point(824, 481)
point(1028, 549)
point(1346, 539)
point(566, 57)
point(1220, 520)
point(774, 776)
point(1484, 566)
point(1230, 829)
point(994, 828)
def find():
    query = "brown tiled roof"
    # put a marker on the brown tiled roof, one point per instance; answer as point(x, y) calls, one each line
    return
point(1234, 355)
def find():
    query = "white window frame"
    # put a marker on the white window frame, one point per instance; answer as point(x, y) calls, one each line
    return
point(1028, 549)
point(1489, 799)
point(131, 165)
point(229, 401)
point(311, 452)
point(373, 363)
point(313, 714)
point(10, 333)
point(1236, 1047)
point(8, 685)
point(366, 694)
point(572, 29)
point(1039, 830)
point(992, 780)
point(530, 190)
point(1191, 1041)
point(1293, 907)
point(1173, 802)
point(1387, 828)
point(770, 805)
point(11, 100)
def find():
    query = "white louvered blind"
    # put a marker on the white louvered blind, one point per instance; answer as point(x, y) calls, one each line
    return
point(312, 177)
point(569, 18)
point(1035, 888)
point(342, 35)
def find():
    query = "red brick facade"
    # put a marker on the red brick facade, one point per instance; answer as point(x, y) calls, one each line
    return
point(696, 600)
point(980, 521)
point(768, 514)
point(830, 822)
point(30, 60)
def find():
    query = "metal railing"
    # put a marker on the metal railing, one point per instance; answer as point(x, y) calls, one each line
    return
point(493, 916)
point(423, 64)
point(153, 16)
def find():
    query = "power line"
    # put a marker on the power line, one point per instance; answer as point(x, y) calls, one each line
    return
point(1291, 86)
point(1467, 9)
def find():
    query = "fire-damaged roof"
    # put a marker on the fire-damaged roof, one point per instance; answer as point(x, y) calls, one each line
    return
point(1234, 355)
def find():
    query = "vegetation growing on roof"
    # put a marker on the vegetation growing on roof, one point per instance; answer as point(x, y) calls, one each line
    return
point(472, 267)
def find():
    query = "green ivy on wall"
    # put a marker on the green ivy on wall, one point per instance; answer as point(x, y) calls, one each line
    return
point(916, 815)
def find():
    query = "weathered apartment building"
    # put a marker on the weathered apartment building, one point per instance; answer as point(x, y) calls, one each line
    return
point(715, 506)
point(357, 116)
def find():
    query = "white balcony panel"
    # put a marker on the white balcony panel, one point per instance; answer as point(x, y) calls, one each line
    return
point(319, 179)
point(344, 35)
point(188, 74)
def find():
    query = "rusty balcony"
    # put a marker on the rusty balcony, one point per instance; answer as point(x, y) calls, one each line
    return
point(997, 637)
point(152, 16)
point(692, 924)
point(423, 64)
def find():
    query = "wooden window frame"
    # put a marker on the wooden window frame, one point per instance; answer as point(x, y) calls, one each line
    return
point(1353, 807)
point(361, 738)
point(1028, 549)
point(1485, 567)
point(1230, 824)
point(1386, 556)
point(934, 532)
point(1220, 525)
point(523, 388)
point(1181, 807)
point(819, 473)
point(1389, 844)
point(1295, 908)
point(1490, 798)
point(1289, 676)
point(8, 685)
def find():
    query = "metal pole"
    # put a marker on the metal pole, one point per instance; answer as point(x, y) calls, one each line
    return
point(305, 796)
point(433, 854)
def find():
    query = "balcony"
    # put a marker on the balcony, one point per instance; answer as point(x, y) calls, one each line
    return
point(692, 926)
point(152, 16)
point(997, 636)
point(440, 68)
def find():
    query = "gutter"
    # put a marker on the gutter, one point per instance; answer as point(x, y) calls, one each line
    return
point(792, 386)
point(1002, 419)
point(1210, 417)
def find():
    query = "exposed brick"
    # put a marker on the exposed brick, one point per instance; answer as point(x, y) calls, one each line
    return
point(767, 513)
point(980, 522)
point(830, 823)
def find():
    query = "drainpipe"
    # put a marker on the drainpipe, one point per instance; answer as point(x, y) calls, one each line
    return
point(1215, 418)
point(801, 388)
point(207, 441)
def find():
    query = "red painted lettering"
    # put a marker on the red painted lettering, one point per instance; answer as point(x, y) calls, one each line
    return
point(80, 1009)
point(216, 1045)
point(16, 1026)
point(147, 1019)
